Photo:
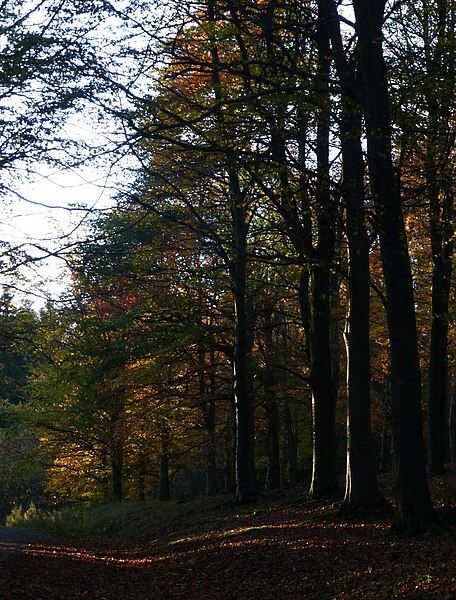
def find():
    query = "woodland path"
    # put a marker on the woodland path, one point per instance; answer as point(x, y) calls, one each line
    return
point(268, 552)
point(38, 566)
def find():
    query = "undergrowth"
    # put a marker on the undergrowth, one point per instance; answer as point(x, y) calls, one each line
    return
point(150, 520)
point(156, 522)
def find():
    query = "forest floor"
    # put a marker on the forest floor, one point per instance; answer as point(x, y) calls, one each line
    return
point(280, 548)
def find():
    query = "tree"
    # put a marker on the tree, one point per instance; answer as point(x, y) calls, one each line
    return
point(211, 165)
point(136, 321)
point(414, 512)
point(426, 150)
point(47, 68)
point(361, 491)
point(22, 462)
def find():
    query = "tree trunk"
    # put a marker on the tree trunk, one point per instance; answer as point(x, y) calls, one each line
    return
point(208, 408)
point(336, 352)
point(442, 250)
point(163, 477)
point(211, 459)
point(245, 474)
point(452, 418)
point(272, 411)
point(291, 445)
point(439, 171)
point(298, 215)
point(230, 453)
point(273, 472)
point(414, 512)
point(117, 468)
point(117, 453)
point(141, 477)
point(324, 472)
point(361, 491)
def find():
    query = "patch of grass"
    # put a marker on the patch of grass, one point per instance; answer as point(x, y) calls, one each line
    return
point(67, 522)
point(149, 521)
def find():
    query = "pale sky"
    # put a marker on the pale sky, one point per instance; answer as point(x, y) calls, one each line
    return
point(51, 218)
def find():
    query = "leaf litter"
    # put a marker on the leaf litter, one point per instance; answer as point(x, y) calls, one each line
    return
point(280, 548)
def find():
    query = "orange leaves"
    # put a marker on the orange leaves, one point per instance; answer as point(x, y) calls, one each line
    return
point(104, 308)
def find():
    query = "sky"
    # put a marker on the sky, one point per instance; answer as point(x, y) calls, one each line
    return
point(40, 214)
point(48, 218)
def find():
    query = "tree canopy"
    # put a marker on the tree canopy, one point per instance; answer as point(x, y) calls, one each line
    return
point(269, 298)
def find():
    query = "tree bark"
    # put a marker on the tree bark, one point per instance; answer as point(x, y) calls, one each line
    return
point(211, 458)
point(272, 411)
point(324, 472)
point(245, 474)
point(361, 491)
point(414, 512)
point(230, 452)
point(141, 476)
point(452, 418)
point(442, 251)
point(163, 477)
point(117, 453)
point(207, 387)
point(439, 171)
point(291, 445)
point(305, 225)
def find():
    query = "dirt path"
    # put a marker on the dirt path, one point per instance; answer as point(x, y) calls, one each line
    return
point(268, 555)
point(37, 566)
point(12, 536)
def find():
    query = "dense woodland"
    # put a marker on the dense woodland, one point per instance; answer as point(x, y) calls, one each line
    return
point(270, 299)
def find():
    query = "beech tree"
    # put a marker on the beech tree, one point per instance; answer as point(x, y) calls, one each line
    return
point(426, 146)
point(277, 157)
point(23, 463)
point(209, 163)
point(47, 69)
point(361, 485)
point(414, 510)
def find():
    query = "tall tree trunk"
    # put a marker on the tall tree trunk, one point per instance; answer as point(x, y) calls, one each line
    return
point(298, 216)
point(361, 491)
point(163, 476)
point(442, 251)
point(117, 468)
point(230, 452)
point(336, 352)
point(289, 418)
point(272, 411)
point(207, 387)
point(414, 512)
point(245, 474)
point(324, 473)
point(117, 452)
point(273, 445)
point(141, 476)
point(440, 63)
point(452, 418)
point(291, 445)
point(211, 458)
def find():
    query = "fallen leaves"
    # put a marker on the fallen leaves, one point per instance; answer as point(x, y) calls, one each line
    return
point(281, 552)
